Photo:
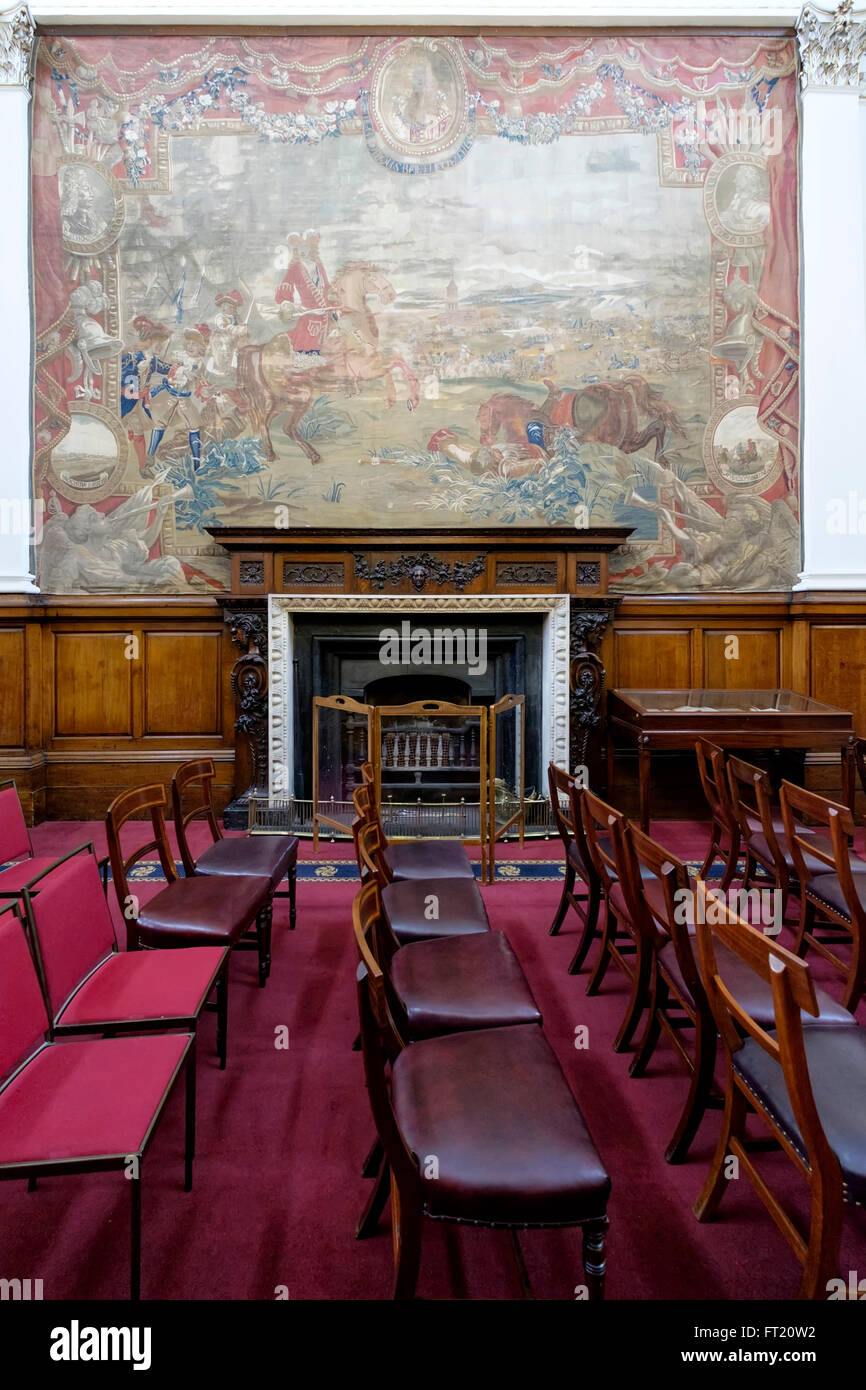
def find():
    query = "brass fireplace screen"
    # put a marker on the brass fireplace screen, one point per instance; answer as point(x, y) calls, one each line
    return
point(441, 769)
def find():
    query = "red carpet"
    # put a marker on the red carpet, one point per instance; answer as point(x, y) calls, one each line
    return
point(282, 1134)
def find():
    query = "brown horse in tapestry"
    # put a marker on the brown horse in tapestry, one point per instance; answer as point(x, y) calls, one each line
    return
point(272, 380)
point(608, 412)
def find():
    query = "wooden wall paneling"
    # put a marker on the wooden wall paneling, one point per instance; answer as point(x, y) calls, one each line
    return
point(93, 684)
point(13, 687)
point(738, 658)
point(651, 658)
point(838, 667)
point(183, 676)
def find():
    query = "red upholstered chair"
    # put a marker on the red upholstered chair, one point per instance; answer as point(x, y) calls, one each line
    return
point(806, 1084)
point(197, 911)
point(90, 986)
point(494, 1111)
point(16, 846)
point(273, 857)
point(565, 798)
point(85, 1106)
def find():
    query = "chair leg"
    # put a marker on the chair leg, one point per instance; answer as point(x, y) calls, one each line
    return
point(222, 1002)
point(825, 1237)
point(604, 955)
point(804, 926)
point(640, 987)
point(856, 980)
point(293, 884)
point(733, 1127)
point(135, 1235)
point(376, 1203)
point(712, 850)
point(590, 926)
point(189, 1134)
point(732, 859)
point(406, 1233)
point(263, 938)
point(373, 1161)
point(699, 1090)
point(594, 1261)
point(658, 995)
point(567, 888)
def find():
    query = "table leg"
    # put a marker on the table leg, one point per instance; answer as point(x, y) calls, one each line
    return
point(610, 764)
point(848, 774)
point(643, 761)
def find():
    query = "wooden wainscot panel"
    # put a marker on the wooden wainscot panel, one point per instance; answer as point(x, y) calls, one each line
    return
point(182, 683)
point(740, 659)
point(838, 669)
point(542, 571)
point(13, 687)
point(654, 659)
point(93, 684)
point(324, 572)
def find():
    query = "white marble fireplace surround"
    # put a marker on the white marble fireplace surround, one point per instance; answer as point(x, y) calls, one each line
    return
point(426, 612)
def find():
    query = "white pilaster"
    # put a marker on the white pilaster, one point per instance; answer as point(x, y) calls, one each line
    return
point(832, 48)
point(16, 43)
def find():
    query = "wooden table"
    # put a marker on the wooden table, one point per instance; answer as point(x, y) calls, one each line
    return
point(772, 720)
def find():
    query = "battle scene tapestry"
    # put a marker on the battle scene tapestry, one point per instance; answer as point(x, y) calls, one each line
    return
point(415, 281)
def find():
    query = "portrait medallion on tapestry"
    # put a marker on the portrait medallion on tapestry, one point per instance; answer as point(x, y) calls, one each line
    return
point(739, 453)
point(419, 105)
point(91, 207)
point(737, 199)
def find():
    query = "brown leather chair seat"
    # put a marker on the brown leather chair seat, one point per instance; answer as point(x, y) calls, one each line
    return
point(496, 1111)
point(836, 1058)
point(829, 890)
point(202, 911)
point(750, 990)
point(469, 982)
point(652, 890)
point(254, 856)
point(460, 906)
point(815, 866)
point(428, 859)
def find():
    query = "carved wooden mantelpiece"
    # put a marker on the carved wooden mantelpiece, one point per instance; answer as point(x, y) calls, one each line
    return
point(430, 564)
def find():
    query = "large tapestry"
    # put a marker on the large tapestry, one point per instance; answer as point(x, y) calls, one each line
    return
point(403, 281)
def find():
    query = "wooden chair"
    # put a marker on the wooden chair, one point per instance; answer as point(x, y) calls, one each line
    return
point(478, 1128)
point(808, 1086)
point(724, 829)
point(459, 906)
point(837, 895)
point(410, 859)
point(273, 857)
point(198, 911)
point(618, 942)
point(751, 796)
point(565, 797)
point(442, 985)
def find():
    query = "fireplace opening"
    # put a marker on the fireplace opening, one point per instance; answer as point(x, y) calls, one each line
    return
point(405, 689)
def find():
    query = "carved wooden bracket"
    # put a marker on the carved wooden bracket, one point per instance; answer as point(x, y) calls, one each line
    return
point(588, 622)
point(249, 681)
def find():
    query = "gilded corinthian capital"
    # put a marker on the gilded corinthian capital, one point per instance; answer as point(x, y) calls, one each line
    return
point(832, 46)
point(16, 43)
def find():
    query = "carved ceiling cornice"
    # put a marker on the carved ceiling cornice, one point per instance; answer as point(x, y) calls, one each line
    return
point(832, 47)
point(17, 36)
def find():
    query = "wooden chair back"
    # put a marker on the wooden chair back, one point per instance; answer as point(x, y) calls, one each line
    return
point(598, 818)
point(560, 785)
point(712, 772)
point(751, 794)
point(798, 804)
point(371, 845)
point(128, 805)
point(792, 988)
point(659, 919)
point(193, 779)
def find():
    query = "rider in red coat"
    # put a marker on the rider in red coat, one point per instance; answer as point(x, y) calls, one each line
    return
point(306, 284)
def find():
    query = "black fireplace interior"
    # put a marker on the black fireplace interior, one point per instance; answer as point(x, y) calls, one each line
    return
point(426, 760)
